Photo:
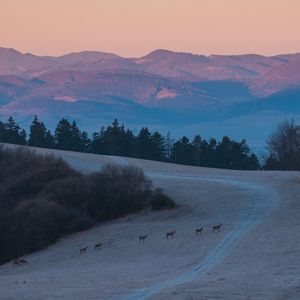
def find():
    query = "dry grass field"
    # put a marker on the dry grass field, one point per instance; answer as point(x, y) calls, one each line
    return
point(255, 254)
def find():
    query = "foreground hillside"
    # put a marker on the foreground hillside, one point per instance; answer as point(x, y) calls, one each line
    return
point(254, 256)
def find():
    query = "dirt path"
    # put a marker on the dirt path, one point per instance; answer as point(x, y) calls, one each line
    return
point(263, 201)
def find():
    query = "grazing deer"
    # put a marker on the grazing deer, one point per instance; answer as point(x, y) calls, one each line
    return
point(142, 238)
point(23, 262)
point(170, 234)
point(15, 263)
point(216, 227)
point(199, 230)
point(97, 246)
point(83, 250)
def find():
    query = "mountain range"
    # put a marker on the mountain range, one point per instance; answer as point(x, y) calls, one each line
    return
point(164, 88)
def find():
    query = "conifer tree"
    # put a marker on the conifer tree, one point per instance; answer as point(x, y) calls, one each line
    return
point(182, 152)
point(196, 143)
point(158, 151)
point(2, 131)
point(85, 142)
point(143, 144)
point(63, 135)
point(12, 134)
point(49, 140)
point(75, 142)
point(37, 133)
point(169, 142)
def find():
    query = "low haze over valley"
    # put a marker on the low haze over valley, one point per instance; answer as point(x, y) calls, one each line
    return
point(182, 93)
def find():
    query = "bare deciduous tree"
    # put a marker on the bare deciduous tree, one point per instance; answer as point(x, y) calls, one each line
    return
point(283, 145)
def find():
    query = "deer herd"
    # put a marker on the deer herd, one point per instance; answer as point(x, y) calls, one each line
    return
point(19, 262)
point(143, 237)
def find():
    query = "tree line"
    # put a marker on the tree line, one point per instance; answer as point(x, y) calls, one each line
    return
point(116, 140)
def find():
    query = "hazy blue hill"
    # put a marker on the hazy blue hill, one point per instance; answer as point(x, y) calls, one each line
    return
point(232, 91)
point(287, 100)
point(276, 79)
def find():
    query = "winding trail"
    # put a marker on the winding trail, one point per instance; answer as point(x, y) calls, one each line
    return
point(263, 202)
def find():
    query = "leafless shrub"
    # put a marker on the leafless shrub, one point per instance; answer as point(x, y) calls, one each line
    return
point(42, 198)
point(117, 190)
point(37, 223)
point(159, 200)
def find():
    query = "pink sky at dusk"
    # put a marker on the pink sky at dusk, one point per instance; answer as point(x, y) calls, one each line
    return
point(133, 28)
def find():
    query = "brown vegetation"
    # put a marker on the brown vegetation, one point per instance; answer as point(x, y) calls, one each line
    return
point(42, 199)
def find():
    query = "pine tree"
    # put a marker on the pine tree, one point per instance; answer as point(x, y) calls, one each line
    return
point(253, 162)
point(75, 142)
point(143, 144)
point(97, 145)
point(169, 142)
point(23, 136)
point(182, 152)
point(158, 151)
point(223, 153)
point(86, 142)
point(196, 143)
point(128, 143)
point(49, 140)
point(12, 134)
point(113, 139)
point(63, 135)
point(37, 134)
point(11, 125)
point(2, 132)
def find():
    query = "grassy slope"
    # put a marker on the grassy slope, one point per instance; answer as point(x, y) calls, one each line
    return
point(259, 212)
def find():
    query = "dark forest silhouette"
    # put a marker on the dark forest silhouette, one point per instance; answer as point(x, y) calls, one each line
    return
point(118, 141)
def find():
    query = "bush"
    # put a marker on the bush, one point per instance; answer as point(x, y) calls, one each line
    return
point(37, 223)
point(70, 191)
point(42, 199)
point(117, 190)
point(159, 200)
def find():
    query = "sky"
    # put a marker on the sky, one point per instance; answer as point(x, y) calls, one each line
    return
point(134, 28)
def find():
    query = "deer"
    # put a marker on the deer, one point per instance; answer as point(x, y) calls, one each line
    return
point(216, 227)
point(199, 230)
point(170, 234)
point(15, 263)
point(142, 238)
point(97, 246)
point(83, 250)
point(23, 262)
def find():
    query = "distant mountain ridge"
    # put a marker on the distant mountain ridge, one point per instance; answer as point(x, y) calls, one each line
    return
point(277, 79)
point(159, 62)
point(163, 87)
